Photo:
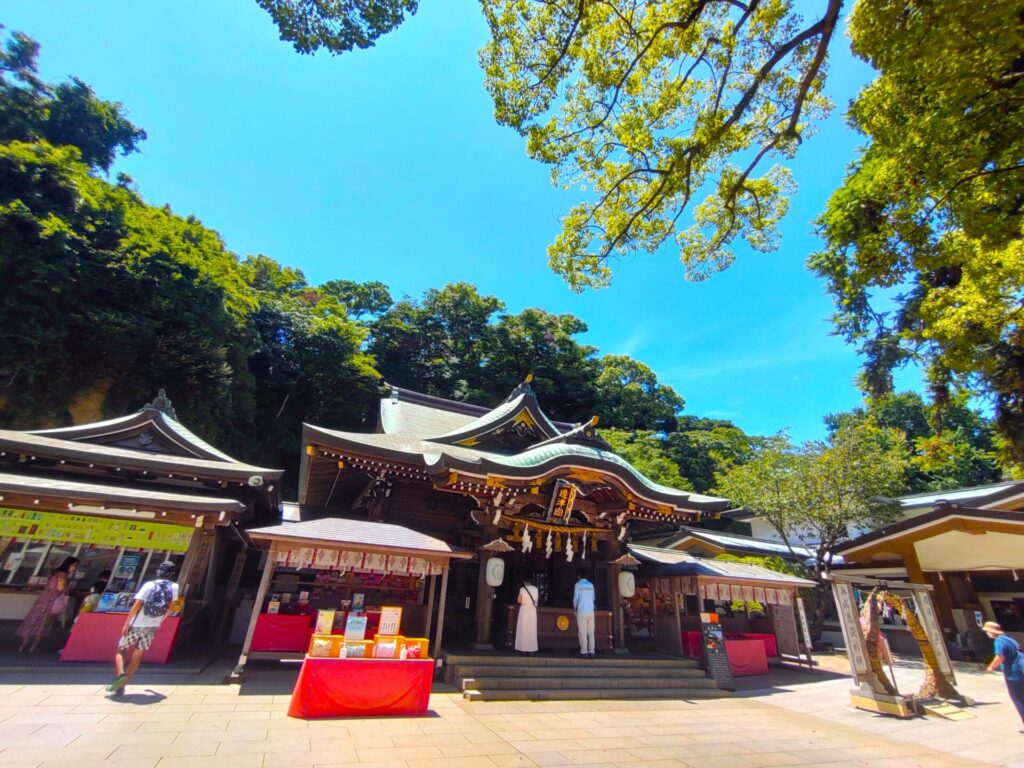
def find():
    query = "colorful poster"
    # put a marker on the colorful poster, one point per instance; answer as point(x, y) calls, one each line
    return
point(358, 601)
point(324, 622)
point(85, 529)
point(355, 628)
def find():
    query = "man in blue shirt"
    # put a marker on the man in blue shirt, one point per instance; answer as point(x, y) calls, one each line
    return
point(583, 604)
point(1008, 657)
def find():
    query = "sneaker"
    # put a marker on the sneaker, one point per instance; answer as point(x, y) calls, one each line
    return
point(116, 688)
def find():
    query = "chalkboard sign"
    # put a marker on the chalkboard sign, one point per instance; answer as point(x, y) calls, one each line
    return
point(715, 652)
point(784, 620)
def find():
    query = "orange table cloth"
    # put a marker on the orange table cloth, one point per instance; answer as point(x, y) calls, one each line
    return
point(746, 657)
point(95, 637)
point(361, 688)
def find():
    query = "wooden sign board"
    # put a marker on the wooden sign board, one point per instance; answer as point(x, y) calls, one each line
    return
point(715, 652)
point(784, 621)
point(562, 499)
point(390, 620)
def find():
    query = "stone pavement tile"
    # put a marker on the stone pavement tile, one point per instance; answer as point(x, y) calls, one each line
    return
point(512, 735)
point(283, 745)
point(548, 745)
point(427, 739)
point(183, 726)
point(378, 764)
point(550, 758)
point(599, 756)
point(379, 754)
point(226, 737)
point(40, 752)
point(135, 762)
point(147, 716)
point(193, 748)
point(236, 716)
point(218, 761)
point(483, 748)
point(612, 731)
point(512, 761)
point(319, 743)
point(451, 762)
point(771, 759)
point(542, 734)
point(37, 716)
point(311, 758)
point(91, 739)
point(667, 740)
point(660, 753)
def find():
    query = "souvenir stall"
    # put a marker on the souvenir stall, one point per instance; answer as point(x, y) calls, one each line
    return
point(756, 610)
point(354, 600)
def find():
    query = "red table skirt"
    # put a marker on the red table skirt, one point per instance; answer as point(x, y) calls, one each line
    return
point(280, 632)
point(361, 688)
point(95, 637)
point(746, 657)
point(693, 645)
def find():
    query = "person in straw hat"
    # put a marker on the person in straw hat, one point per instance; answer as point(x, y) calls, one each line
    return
point(1010, 658)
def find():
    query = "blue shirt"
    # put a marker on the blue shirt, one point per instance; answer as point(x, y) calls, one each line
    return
point(1008, 649)
point(583, 597)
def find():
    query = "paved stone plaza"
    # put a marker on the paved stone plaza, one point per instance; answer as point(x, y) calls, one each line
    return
point(173, 722)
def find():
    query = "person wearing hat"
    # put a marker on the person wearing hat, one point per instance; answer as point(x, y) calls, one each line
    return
point(150, 607)
point(1008, 656)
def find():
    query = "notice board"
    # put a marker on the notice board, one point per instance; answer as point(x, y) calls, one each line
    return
point(715, 653)
point(784, 620)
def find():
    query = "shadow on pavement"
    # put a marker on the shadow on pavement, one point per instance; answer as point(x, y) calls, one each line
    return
point(781, 680)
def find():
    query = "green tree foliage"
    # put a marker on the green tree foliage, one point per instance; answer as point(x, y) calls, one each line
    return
point(704, 448)
point(337, 26)
point(646, 452)
point(958, 451)
point(646, 105)
point(816, 494)
point(925, 239)
point(631, 397)
point(67, 114)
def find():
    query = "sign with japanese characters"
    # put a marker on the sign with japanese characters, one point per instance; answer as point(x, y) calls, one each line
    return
point(562, 499)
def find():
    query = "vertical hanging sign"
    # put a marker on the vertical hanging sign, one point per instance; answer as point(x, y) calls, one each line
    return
point(562, 499)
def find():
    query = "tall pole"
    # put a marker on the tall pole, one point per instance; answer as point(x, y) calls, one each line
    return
point(440, 612)
point(484, 602)
point(674, 581)
point(261, 593)
point(430, 604)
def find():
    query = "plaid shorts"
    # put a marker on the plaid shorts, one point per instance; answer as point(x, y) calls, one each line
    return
point(138, 637)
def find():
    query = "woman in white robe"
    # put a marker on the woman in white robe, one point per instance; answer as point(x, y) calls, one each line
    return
point(526, 623)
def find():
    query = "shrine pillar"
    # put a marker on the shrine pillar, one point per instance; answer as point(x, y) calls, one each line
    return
point(484, 601)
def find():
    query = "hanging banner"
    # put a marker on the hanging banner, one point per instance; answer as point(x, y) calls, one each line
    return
point(562, 499)
point(99, 531)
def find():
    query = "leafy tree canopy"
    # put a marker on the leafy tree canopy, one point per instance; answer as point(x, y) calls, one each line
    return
point(924, 250)
point(958, 451)
point(646, 452)
point(67, 114)
point(336, 25)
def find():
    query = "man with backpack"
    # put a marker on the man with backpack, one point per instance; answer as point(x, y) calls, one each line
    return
point(152, 603)
point(1008, 655)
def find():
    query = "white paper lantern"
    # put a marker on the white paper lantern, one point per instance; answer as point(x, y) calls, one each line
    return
point(627, 584)
point(495, 572)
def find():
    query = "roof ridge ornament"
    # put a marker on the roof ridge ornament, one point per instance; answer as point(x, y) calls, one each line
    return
point(161, 403)
point(522, 388)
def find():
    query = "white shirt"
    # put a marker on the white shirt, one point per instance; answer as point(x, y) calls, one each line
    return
point(141, 619)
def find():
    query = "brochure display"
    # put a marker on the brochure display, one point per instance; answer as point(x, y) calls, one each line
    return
point(351, 676)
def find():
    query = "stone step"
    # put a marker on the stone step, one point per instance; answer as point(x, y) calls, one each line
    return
point(502, 670)
point(570, 694)
point(574, 683)
point(568, 661)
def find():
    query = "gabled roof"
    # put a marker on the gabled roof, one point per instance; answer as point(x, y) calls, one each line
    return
point(129, 497)
point(359, 534)
point(981, 496)
point(734, 542)
point(38, 445)
point(671, 562)
point(151, 429)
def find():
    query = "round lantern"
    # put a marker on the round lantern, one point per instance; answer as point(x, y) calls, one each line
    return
point(627, 584)
point(495, 572)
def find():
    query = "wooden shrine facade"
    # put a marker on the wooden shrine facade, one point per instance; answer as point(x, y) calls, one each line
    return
point(549, 498)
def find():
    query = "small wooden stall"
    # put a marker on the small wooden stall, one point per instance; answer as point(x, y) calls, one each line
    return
point(756, 609)
point(327, 587)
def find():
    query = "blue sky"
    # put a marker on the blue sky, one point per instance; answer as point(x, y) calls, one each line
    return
point(387, 165)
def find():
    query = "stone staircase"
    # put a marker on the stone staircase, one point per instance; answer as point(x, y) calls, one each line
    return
point(551, 678)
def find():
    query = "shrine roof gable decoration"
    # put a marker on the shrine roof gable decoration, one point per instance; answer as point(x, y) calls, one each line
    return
point(511, 449)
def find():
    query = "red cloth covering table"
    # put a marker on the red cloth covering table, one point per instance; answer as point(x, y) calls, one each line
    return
point(281, 632)
point(361, 687)
point(746, 657)
point(95, 637)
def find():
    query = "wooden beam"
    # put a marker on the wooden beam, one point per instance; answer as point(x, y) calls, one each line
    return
point(675, 607)
point(430, 605)
point(440, 613)
point(261, 593)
